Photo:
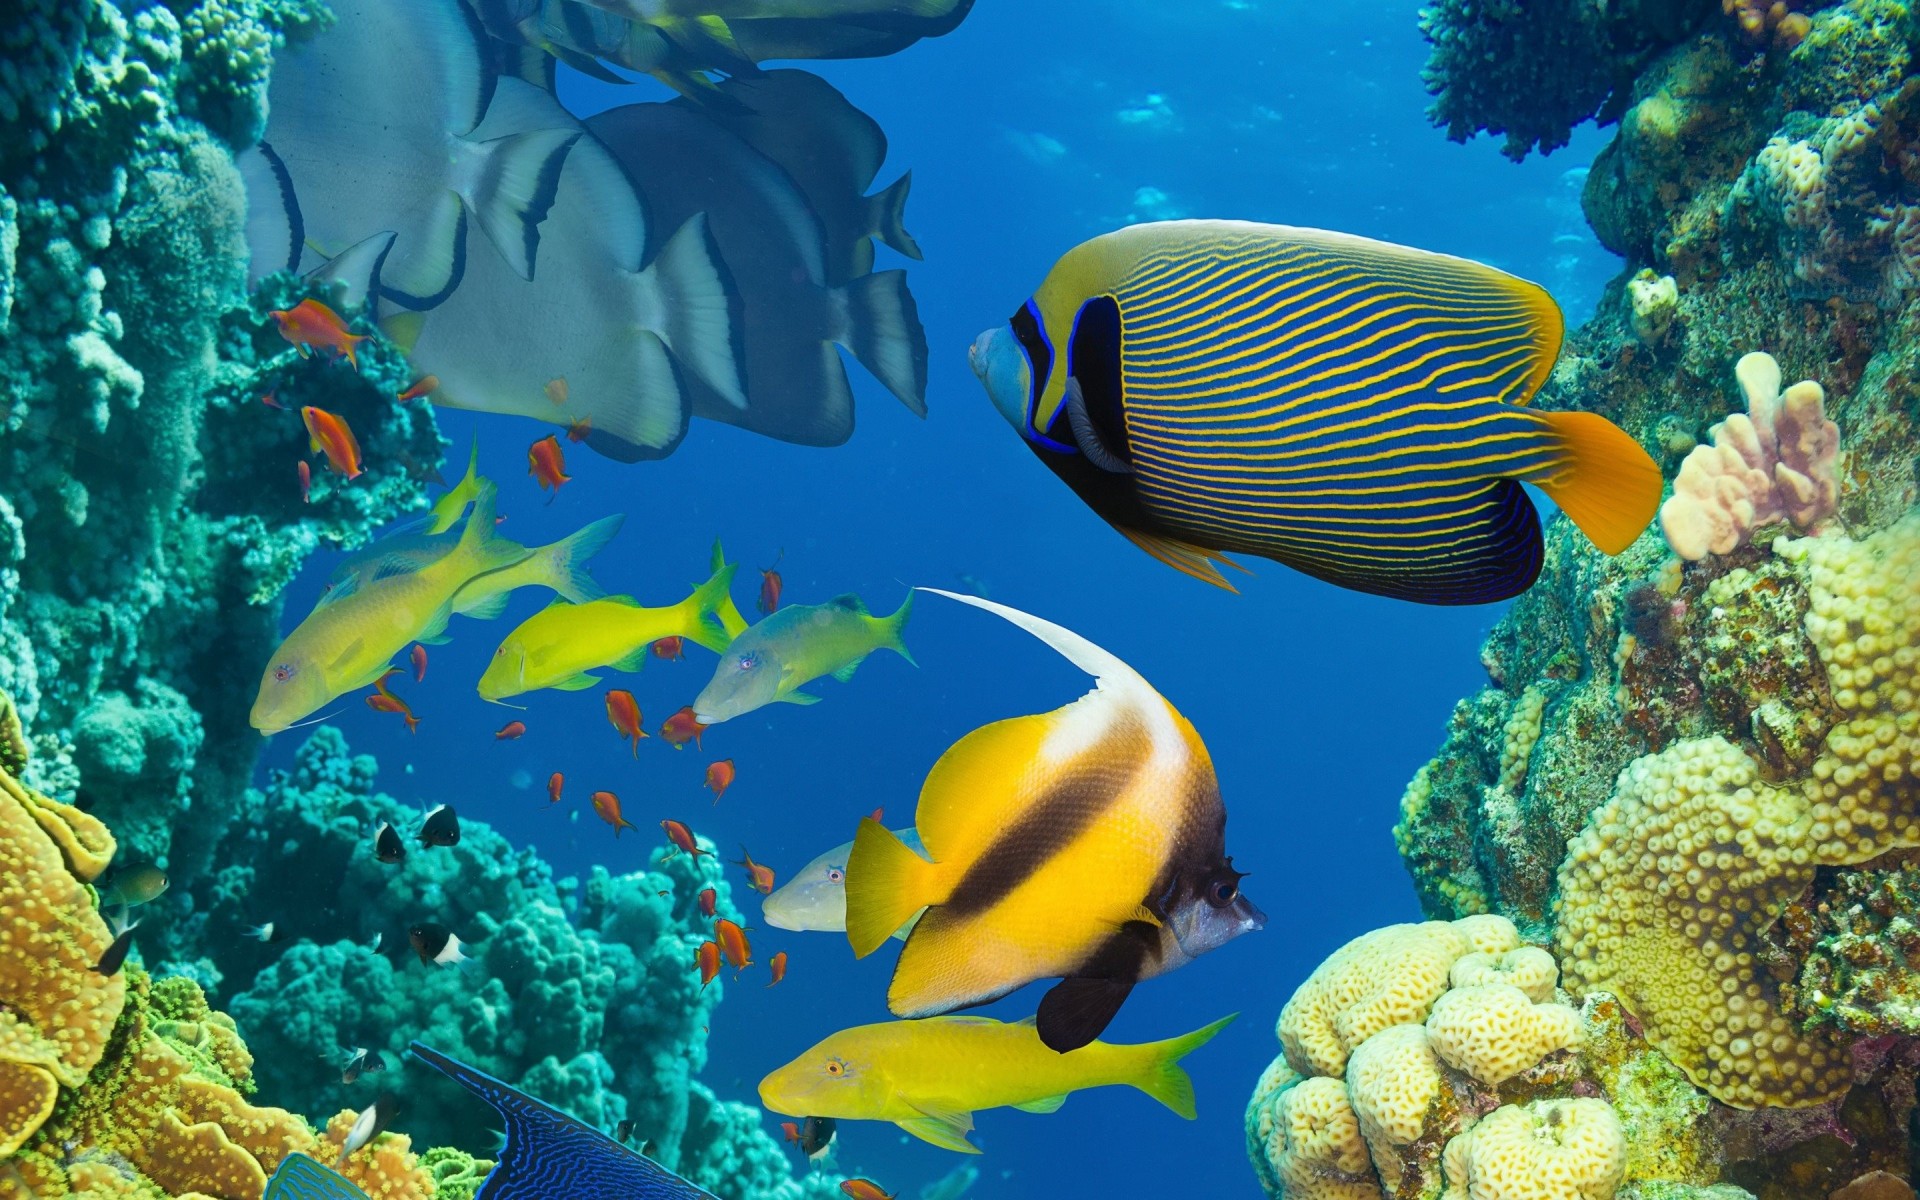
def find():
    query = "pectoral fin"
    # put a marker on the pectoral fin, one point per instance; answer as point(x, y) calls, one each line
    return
point(845, 673)
point(800, 698)
point(1078, 1010)
point(947, 1130)
point(576, 683)
point(1046, 1105)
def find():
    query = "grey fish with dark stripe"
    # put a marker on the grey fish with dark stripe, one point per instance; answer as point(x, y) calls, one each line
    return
point(1353, 409)
point(1086, 844)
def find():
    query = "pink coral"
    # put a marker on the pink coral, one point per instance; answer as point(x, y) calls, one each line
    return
point(1778, 461)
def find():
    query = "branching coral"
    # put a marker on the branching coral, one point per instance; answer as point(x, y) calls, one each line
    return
point(1778, 461)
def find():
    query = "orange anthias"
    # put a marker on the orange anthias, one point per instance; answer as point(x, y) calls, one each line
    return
point(548, 464)
point(555, 782)
point(760, 876)
point(681, 728)
point(865, 1189)
point(328, 433)
point(579, 431)
point(709, 902)
point(311, 325)
point(306, 482)
point(670, 647)
point(385, 701)
point(624, 711)
point(682, 839)
point(778, 965)
point(791, 1129)
point(419, 657)
point(608, 806)
point(426, 385)
point(707, 958)
point(510, 731)
point(733, 944)
point(770, 589)
point(719, 778)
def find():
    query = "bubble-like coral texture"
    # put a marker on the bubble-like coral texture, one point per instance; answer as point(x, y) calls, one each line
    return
point(1547, 1150)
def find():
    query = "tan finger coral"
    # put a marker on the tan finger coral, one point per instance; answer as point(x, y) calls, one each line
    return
point(1547, 1150)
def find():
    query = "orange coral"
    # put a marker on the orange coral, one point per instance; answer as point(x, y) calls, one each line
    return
point(385, 1168)
point(1761, 21)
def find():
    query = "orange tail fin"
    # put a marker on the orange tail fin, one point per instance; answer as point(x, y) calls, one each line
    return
point(1609, 486)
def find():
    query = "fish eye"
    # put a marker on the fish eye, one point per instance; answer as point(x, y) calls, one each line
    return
point(835, 875)
point(284, 672)
point(749, 661)
point(837, 1068)
point(1223, 892)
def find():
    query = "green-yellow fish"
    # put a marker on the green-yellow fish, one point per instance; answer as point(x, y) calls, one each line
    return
point(447, 509)
point(559, 646)
point(795, 646)
point(930, 1077)
point(351, 637)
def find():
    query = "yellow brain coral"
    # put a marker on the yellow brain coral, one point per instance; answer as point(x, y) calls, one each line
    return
point(1309, 1139)
point(1664, 894)
point(1393, 1082)
point(1547, 1150)
point(1493, 1031)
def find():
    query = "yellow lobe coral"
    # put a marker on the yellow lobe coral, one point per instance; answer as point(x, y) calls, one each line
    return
point(1388, 977)
point(1493, 1031)
point(1547, 1150)
point(27, 1094)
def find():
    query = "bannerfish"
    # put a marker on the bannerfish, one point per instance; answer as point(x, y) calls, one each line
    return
point(759, 875)
point(682, 839)
point(814, 898)
point(930, 1077)
point(115, 955)
point(387, 846)
point(547, 1154)
point(792, 318)
point(733, 944)
point(1086, 844)
point(832, 150)
point(301, 1178)
point(561, 645)
point(452, 504)
point(436, 944)
point(802, 642)
point(719, 778)
point(1353, 409)
point(624, 311)
point(329, 434)
point(311, 325)
point(954, 1184)
point(441, 828)
point(865, 1189)
point(354, 147)
point(370, 1124)
point(607, 806)
point(140, 883)
point(777, 966)
point(706, 960)
point(682, 727)
point(623, 712)
point(352, 636)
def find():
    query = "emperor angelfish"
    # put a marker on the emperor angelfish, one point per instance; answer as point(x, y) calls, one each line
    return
point(1351, 408)
point(1086, 844)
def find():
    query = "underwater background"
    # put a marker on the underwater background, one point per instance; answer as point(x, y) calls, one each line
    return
point(1028, 129)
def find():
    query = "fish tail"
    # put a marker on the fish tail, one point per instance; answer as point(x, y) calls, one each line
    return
point(888, 886)
point(896, 626)
point(483, 549)
point(566, 560)
point(1160, 1073)
point(705, 626)
point(700, 308)
point(1607, 485)
point(516, 188)
point(882, 329)
point(887, 216)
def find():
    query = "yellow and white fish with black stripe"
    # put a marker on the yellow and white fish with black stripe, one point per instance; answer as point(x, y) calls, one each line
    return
point(1351, 408)
point(1086, 844)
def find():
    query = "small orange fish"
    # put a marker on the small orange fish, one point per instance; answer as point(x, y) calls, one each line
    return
point(877, 814)
point(608, 806)
point(385, 701)
point(419, 663)
point(770, 589)
point(510, 731)
point(577, 431)
point(733, 944)
point(865, 1189)
point(681, 728)
point(546, 463)
point(426, 385)
point(682, 839)
point(624, 711)
point(672, 646)
point(778, 965)
point(791, 1130)
point(329, 434)
point(272, 400)
point(556, 390)
point(719, 778)
point(709, 902)
point(760, 876)
point(311, 325)
point(555, 782)
point(306, 481)
point(707, 958)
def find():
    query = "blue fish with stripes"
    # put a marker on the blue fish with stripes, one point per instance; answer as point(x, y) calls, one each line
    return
point(301, 1178)
point(548, 1155)
point(1354, 409)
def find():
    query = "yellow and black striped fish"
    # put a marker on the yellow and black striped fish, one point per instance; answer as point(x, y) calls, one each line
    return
point(1351, 408)
point(1086, 844)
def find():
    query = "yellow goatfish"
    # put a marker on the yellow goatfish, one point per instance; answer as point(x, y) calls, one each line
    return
point(930, 1077)
point(351, 636)
point(1086, 844)
point(447, 509)
point(561, 644)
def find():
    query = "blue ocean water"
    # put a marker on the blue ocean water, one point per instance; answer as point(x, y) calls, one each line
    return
point(1034, 126)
